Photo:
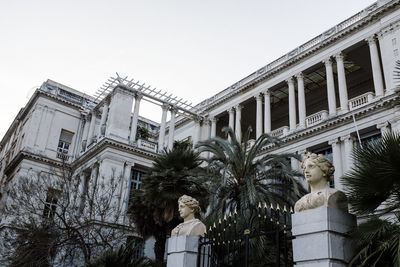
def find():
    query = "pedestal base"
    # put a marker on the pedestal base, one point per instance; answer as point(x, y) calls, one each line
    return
point(182, 251)
point(320, 237)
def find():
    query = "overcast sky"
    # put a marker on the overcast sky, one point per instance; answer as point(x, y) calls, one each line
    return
point(192, 49)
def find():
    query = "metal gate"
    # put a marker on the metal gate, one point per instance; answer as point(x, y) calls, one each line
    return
point(261, 237)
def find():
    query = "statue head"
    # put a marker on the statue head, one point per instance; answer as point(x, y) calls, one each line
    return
point(188, 206)
point(317, 167)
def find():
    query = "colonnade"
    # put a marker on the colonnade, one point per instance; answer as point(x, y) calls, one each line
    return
point(298, 105)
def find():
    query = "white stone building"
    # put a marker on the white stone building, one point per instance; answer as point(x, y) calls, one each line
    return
point(323, 96)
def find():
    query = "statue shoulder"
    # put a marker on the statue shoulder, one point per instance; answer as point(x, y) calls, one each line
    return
point(198, 228)
point(337, 199)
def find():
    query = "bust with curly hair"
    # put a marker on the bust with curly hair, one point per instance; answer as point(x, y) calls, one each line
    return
point(318, 170)
point(188, 207)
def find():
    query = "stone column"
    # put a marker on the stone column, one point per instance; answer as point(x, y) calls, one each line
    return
point(231, 112)
point(384, 127)
point(132, 136)
point(161, 135)
point(348, 141)
point(207, 128)
point(171, 128)
point(337, 162)
point(102, 130)
point(267, 111)
point(90, 137)
point(238, 123)
point(292, 104)
point(376, 66)
point(330, 85)
point(259, 118)
point(344, 101)
point(196, 131)
point(214, 127)
point(85, 133)
point(302, 100)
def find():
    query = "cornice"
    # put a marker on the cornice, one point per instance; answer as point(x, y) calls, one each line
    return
point(109, 143)
point(34, 157)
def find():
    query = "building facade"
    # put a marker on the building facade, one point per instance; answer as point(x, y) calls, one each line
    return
point(324, 96)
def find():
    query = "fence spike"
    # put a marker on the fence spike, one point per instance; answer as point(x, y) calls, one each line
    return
point(272, 206)
point(259, 205)
point(277, 206)
point(284, 208)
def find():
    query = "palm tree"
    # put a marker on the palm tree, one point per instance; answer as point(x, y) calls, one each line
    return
point(155, 209)
point(245, 175)
point(373, 187)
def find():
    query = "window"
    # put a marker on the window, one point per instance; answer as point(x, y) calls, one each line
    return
point(371, 136)
point(136, 181)
point(50, 205)
point(64, 143)
point(137, 244)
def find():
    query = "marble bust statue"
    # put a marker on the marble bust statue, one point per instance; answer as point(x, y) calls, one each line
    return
point(188, 206)
point(318, 170)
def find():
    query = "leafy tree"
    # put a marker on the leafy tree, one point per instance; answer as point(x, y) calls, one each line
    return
point(155, 210)
point(245, 176)
point(373, 187)
point(54, 217)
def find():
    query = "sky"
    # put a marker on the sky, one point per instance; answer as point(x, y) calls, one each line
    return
point(192, 49)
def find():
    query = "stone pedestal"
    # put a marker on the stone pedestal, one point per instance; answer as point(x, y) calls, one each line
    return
point(182, 251)
point(320, 237)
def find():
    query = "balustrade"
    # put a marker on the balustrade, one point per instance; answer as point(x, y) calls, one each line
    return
point(316, 118)
point(282, 131)
point(361, 100)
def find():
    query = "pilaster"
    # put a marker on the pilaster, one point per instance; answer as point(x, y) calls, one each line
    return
point(337, 162)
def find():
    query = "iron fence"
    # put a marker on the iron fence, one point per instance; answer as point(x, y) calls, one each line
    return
point(259, 236)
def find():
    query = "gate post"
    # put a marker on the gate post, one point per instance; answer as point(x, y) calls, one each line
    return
point(320, 237)
point(182, 251)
